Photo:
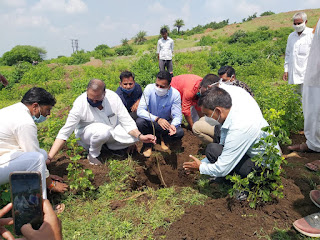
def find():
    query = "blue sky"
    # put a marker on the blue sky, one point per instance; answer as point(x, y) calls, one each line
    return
point(52, 23)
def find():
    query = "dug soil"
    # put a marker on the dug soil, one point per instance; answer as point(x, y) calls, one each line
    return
point(221, 217)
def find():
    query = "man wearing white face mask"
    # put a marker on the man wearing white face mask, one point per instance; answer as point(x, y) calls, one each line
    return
point(160, 106)
point(19, 146)
point(241, 121)
point(297, 51)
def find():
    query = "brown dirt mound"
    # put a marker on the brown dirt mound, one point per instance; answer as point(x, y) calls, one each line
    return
point(221, 218)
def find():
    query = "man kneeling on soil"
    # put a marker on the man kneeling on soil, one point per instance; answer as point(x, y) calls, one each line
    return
point(99, 117)
point(240, 131)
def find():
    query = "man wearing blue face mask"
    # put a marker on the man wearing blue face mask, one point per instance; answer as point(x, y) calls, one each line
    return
point(19, 145)
point(160, 111)
point(130, 93)
point(99, 117)
point(297, 51)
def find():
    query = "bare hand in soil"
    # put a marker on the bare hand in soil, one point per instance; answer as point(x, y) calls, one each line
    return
point(50, 229)
point(192, 166)
point(5, 221)
point(149, 138)
point(60, 187)
point(164, 124)
point(172, 130)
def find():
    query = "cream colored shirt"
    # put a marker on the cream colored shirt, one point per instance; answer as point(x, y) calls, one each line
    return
point(18, 132)
point(113, 114)
point(297, 52)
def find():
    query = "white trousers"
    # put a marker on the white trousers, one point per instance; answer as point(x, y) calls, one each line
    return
point(29, 161)
point(311, 112)
point(96, 134)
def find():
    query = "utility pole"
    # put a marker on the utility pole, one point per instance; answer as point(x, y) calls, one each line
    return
point(74, 44)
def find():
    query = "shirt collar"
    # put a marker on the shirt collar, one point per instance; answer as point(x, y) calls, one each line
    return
point(228, 121)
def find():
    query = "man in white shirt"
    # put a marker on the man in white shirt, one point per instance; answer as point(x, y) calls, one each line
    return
point(165, 50)
point(241, 121)
point(297, 51)
point(19, 145)
point(99, 117)
point(311, 104)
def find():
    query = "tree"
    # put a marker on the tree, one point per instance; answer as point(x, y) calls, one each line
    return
point(166, 27)
point(23, 53)
point(124, 41)
point(140, 38)
point(179, 23)
point(101, 47)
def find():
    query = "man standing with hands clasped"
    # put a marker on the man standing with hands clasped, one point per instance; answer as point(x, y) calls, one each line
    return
point(165, 50)
point(297, 51)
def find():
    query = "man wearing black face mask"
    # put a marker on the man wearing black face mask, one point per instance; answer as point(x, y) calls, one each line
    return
point(130, 93)
point(99, 117)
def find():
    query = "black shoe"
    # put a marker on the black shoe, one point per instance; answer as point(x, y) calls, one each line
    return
point(122, 153)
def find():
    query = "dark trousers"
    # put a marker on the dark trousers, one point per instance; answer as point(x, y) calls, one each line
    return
point(145, 127)
point(165, 64)
point(243, 168)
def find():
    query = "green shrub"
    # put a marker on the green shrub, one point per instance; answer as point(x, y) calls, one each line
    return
point(23, 53)
point(206, 41)
point(267, 13)
point(124, 50)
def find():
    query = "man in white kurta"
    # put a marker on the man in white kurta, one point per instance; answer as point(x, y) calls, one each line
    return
point(19, 145)
point(297, 51)
point(310, 96)
point(99, 117)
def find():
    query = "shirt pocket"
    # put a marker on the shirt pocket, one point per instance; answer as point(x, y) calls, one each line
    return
point(112, 119)
point(304, 49)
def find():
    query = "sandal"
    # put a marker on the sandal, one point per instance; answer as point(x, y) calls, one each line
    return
point(309, 225)
point(313, 166)
point(59, 208)
point(303, 147)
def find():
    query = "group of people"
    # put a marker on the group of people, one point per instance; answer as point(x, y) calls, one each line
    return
point(219, 109)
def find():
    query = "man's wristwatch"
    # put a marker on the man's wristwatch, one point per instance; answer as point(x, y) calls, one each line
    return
point(139, 136)
point(157, 119)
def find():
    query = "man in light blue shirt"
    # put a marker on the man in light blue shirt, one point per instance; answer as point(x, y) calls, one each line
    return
point(160, 105)
point(241, 122)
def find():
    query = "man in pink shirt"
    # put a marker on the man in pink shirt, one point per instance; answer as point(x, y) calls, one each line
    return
point(188, 86)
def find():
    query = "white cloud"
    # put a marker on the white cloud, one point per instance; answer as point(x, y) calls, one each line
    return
point(107, 24)
point(156, 8)
point(14, 3)
point(68, 6)
point(20, 18)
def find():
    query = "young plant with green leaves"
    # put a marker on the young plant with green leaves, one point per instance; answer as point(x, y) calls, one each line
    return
point(79, 178)
point(265, 183)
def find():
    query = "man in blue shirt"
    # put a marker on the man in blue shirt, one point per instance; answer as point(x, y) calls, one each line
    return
point(130, 93)
point(160, 106)
point(241, 122)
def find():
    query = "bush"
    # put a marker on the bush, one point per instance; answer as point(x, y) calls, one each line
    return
point(237, 36)
point(267, 13)
point(124, 50)
point(206, 41)
point(23, 53)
